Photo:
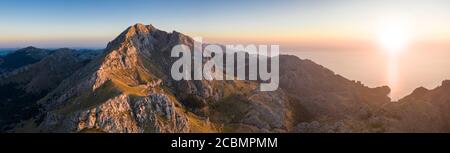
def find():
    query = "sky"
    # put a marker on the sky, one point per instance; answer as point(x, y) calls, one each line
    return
point(295, 25)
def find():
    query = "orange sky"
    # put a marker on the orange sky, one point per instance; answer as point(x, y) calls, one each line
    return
point(295, 25)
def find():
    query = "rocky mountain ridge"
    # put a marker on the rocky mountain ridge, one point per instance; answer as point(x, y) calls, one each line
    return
point(128, 89)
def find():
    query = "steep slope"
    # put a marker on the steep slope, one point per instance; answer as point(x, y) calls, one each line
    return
point(422, 111)
point(22, 87)
point(117, 90)
point(129, 89)
point(329, 102)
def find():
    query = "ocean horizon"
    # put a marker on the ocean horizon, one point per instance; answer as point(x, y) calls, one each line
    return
point(402, 74)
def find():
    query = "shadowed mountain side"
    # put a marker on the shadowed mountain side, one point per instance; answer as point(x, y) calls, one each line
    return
point(422, 111)
point(330, 99)
point(21, 57)
point(22, 87)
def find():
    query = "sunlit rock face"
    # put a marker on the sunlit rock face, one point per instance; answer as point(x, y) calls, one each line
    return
point(123, 114)
point(122, 90)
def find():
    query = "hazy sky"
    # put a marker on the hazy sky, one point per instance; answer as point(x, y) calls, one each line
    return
point(296, 25)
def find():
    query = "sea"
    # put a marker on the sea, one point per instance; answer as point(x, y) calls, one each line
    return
point(402, 72)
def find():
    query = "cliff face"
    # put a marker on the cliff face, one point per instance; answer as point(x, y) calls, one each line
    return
point(128, 89)
point(122, 114)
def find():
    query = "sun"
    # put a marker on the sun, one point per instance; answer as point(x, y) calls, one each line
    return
point(393, 37)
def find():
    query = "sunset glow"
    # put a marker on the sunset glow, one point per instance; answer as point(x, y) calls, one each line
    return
point(305, 25)
point(394, 37)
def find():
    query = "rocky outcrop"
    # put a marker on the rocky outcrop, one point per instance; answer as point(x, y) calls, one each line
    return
point(268, 112)
point(112, 116)
point(317, 127)
point(123, 114)
point(157, 113)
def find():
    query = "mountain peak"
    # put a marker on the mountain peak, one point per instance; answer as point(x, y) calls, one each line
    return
point(29, 47)
point(149, 38)
point(143, 27)
point(138, 28)
point(420, 91)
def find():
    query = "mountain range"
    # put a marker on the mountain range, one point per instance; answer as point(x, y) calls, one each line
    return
point(127, 88)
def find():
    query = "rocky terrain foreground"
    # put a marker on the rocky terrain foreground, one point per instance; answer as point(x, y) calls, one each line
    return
point(127, 88)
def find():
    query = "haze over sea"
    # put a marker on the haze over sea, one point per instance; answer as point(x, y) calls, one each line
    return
point(402, 73)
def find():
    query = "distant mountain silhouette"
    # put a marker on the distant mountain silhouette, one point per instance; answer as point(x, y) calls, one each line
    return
point(21, 58)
